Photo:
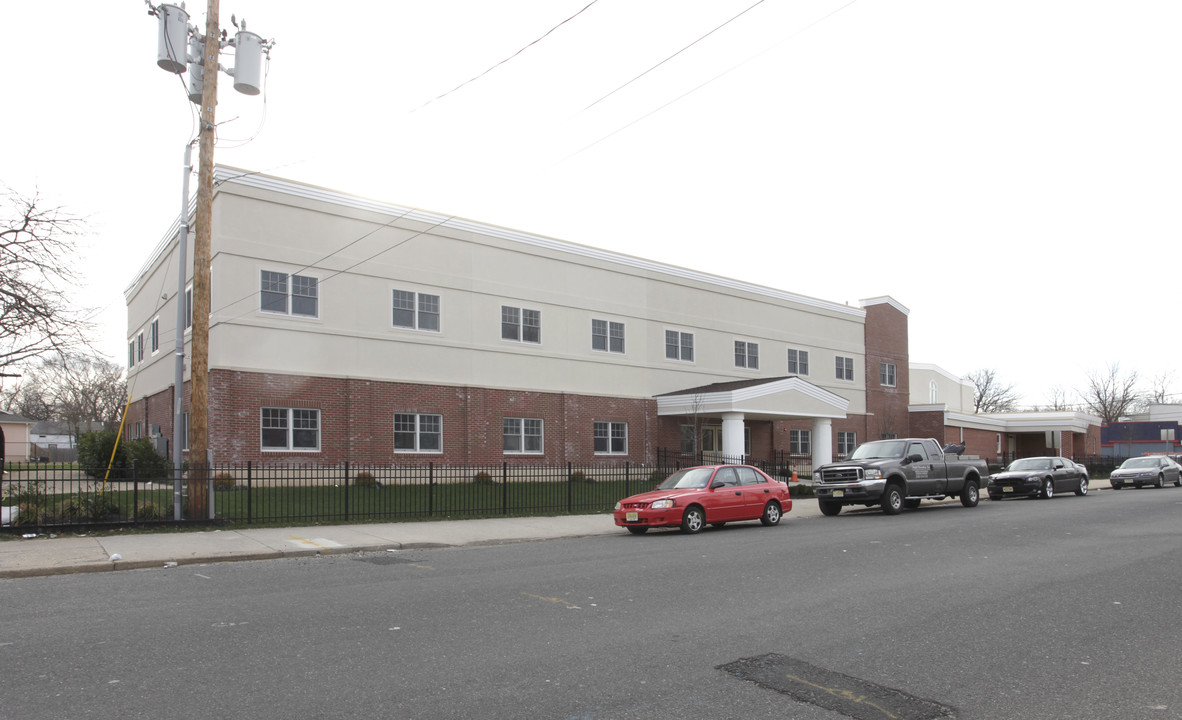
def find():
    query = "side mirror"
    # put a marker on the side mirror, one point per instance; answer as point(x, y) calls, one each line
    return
point(914, 458)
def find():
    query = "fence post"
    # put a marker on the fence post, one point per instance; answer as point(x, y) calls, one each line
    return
point(627, 476)
point(569, 486)
point(430, 488)
point(504, 488)
point(249, 493)
point(345, 485)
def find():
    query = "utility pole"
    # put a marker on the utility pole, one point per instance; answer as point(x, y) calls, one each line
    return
point(174, 32)
point(199, 485)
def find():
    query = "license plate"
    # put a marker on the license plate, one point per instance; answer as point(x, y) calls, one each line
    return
point(632, 517)
point(839, 493)
point(1007, 489)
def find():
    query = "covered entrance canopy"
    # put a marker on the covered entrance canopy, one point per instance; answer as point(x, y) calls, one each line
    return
point(782, 398)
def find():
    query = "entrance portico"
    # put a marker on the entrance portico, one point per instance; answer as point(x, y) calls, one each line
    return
point(767, 399)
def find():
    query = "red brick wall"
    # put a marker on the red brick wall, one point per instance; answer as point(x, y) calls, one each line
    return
point(886, 342)
point(357, 420)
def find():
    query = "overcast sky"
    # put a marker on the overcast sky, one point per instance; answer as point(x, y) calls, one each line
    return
point(1010, 170)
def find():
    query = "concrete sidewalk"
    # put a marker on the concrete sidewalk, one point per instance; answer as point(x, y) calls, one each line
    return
point(45, 555)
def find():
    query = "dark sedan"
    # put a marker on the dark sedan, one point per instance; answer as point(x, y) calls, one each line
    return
point(1039, 477)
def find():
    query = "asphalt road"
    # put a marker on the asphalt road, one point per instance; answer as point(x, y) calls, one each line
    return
point(1018, 609)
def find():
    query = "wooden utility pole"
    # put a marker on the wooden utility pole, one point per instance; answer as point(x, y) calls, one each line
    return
point(199, 505)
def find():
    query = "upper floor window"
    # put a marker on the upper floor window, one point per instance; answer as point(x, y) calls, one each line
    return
point(154, 335)
point(607, 336)
point(747, 355)
point(798, 362)
point(418, 433)
point(611, 437)
point(886, 374)
point(679, 345)
point(522, 435)
point(933, 392)
point(521, 325)
point(418, 311)
point(188, 307)
point(288, 294)
point(290, 429)
point(845, 368)
point(131, 354)
point(139, 347)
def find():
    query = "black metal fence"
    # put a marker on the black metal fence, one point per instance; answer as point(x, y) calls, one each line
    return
point(45, 497)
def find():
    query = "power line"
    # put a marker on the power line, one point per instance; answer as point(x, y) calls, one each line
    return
point(687, 47)
point(497, 65)
point(707, 82)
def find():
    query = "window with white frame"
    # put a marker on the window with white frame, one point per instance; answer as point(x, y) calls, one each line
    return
point(290, 428)
point(798, 362)
point(154, 335)
point(844, 367)
point(188, 307)
point(418, 432)
point(139, 347)
point(746, 355)
point(689, 440)
point(521, 325)
point(886, 374)
point(800, 442)
point(131, 354)
point(933, 392)
point(611, 438)
point(846, 442)
point(289, 294)
point(522, 435)
point(415, 310)
point(185, 430)
point(607, 336)
point(679, 345)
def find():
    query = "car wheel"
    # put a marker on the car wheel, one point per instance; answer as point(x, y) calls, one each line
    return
point(892, 500)
point(693, 520)
point(970, 495)
point(1083, 486)
point(771, 514)
point(1048, 489)
point(1160, 482)
point(637, 530)
point(828, 507)
point(911, 503)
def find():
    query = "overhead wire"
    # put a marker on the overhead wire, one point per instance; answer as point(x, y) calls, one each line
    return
point(687, 47)
point(502, 62)
point(707, 82)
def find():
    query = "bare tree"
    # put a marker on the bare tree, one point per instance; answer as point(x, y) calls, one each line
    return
point(990, 395)
point(76, 390)
point(37, 260)
point(1057, 398)
point(1111, 394)
point(1160, 392)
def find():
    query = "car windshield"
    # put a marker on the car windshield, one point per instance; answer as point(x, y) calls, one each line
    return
point(1148, 462)
point(688, 478)
point(1030, 464)
point(879, 449)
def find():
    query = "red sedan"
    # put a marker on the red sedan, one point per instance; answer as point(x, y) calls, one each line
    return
point(710, 494)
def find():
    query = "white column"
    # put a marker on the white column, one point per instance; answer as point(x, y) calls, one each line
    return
point(732, 436)
point(822, 441)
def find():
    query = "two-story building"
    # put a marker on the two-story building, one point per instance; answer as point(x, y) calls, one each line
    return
point(347, 329)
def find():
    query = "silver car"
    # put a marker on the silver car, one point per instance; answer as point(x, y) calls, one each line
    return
point(1155, 470)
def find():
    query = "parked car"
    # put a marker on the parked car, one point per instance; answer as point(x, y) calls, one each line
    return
point(1039, 477)
point(706, 495)
point(1155, 470)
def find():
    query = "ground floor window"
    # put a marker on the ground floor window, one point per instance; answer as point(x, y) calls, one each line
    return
point(418, 433)
point(846, 442)
point(611, 438)
point(522, 435)
point(290, 429)
point(800, 442)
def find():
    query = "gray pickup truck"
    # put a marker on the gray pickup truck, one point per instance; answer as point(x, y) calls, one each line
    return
point(898, 474)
